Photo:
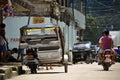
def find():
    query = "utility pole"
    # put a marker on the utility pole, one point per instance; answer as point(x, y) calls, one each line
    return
point(86, 13)
point(81, 30)
point(73, 9)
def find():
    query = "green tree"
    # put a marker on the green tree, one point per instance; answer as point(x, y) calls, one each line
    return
point(91, 32)
point(111, 18)
point(117, 6)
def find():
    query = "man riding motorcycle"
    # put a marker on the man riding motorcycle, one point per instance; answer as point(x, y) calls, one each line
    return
point(105, 42)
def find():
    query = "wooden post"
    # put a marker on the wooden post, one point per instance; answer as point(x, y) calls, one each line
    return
point(81, 34)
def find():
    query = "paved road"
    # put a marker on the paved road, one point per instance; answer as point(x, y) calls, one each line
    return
point(76, 72)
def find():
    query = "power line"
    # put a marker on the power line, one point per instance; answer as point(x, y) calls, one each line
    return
point(101, 10)
point(102, 4)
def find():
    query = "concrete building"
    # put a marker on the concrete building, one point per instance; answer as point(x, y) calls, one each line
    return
point(70, 20)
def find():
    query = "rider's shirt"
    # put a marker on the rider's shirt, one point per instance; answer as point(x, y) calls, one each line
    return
point(106, 42)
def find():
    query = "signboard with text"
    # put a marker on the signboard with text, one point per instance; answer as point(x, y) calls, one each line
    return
point(38, 20)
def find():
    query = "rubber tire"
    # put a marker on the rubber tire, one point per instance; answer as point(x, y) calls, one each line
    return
point(87, 61)
point(33, 71)
point(66, 67)
point(106, 68)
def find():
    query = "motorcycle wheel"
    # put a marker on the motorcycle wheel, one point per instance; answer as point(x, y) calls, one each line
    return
point(33, 69)
point(106, 67)
point(66, 67)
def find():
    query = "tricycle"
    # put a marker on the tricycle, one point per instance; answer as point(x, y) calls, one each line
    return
point(46, 41)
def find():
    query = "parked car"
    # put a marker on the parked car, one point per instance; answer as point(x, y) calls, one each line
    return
point(82, 51)
point(95, 50)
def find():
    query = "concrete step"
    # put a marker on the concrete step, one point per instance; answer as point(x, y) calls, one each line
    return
point(8, 72)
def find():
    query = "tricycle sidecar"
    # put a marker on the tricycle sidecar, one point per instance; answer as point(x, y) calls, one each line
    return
point(48, 41)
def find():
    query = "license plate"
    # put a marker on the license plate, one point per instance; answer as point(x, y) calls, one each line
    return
point(30, 57)
point(107, 60)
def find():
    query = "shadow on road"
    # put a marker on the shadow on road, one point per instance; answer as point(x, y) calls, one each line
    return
point(50, 72)
point(103, 70)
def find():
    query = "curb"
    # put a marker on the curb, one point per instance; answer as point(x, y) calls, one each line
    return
point(8, 70)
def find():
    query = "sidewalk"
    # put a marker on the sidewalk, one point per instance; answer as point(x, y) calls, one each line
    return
point(11, 69)
point(8, 70)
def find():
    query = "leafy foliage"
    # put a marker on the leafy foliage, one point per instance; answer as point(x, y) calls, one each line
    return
point(117, 5)
point(91, 32)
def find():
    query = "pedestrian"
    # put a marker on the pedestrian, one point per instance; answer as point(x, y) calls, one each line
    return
point(3, 43)
point(105, 42)
point(2, 27)
point(21, 50)
point(50, 65)
point(12, 55)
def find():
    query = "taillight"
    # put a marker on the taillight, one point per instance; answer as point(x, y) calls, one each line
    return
point(107, 52)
